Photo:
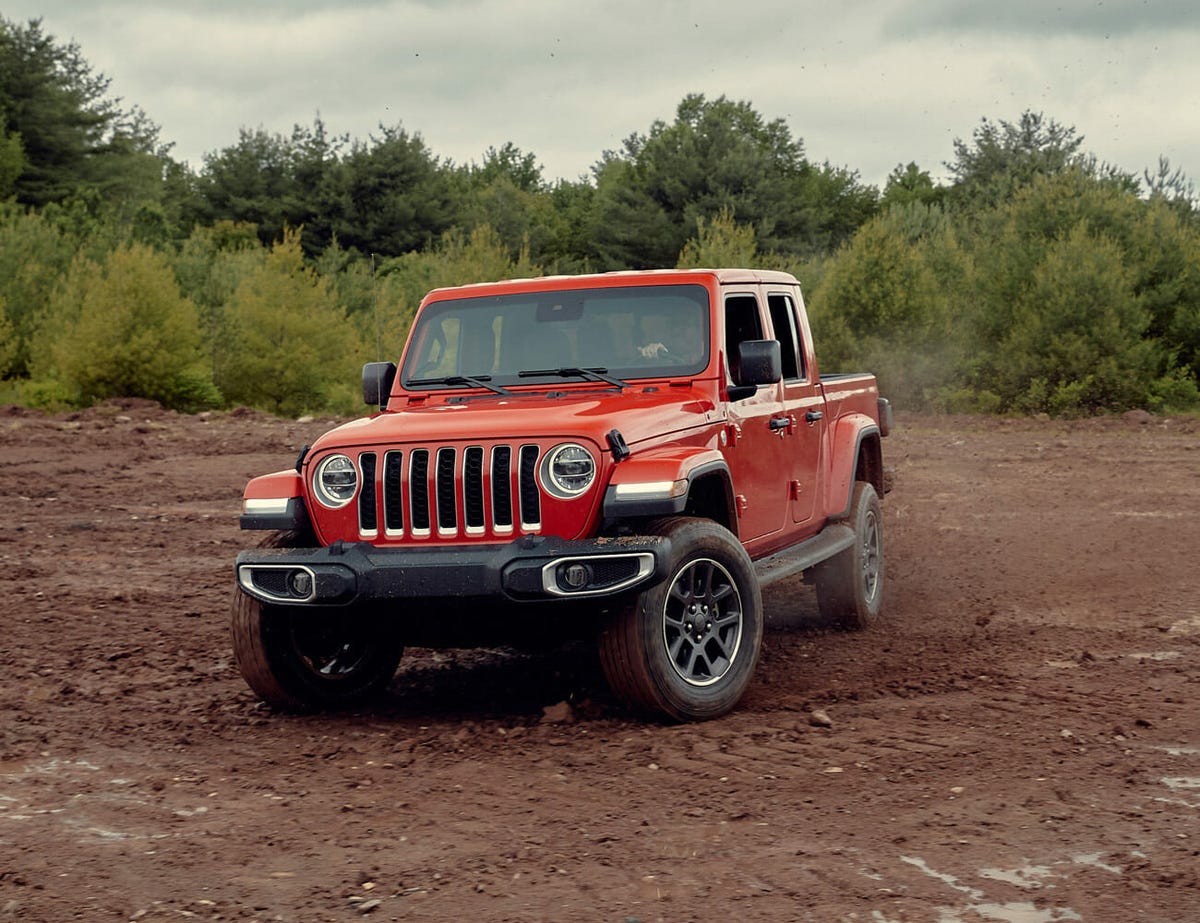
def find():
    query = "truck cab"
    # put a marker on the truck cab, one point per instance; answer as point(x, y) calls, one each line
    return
point(645, 448)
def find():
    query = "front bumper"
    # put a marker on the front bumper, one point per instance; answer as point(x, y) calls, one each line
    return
point(530, 568)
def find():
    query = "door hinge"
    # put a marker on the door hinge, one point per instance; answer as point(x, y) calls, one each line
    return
point(740, 502)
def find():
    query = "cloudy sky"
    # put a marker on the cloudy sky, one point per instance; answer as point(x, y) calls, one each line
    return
point(866, 84)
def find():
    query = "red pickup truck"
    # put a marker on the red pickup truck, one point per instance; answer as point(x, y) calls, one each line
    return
point(628, 456)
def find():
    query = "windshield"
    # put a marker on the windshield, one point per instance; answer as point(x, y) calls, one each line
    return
point(622, 333)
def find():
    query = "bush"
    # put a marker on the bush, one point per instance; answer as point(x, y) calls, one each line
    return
point(289, 342)
point(121, 329)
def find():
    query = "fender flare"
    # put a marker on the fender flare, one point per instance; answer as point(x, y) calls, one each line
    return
point(660, 483)
point(275, 501)
point(846, 449)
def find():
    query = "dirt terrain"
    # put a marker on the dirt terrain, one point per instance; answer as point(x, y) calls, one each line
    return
point(1019, 741)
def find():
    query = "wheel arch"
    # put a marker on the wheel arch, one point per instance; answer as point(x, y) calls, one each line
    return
point(702, 488)
point(857, 455)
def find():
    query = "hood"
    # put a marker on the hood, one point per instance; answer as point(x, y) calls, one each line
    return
point(639, 413)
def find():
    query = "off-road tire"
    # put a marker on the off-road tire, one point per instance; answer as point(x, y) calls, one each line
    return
point(685, 649)
point(850, 584)
point(306, 659)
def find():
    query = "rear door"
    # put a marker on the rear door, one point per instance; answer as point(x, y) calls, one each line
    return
point(803, 404)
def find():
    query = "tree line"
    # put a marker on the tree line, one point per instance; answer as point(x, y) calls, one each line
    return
point(1035, 280)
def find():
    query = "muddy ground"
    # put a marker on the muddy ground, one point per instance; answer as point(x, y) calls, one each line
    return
point(1019, 741)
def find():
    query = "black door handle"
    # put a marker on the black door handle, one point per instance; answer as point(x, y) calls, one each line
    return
point(812, 416)
point(780, 423)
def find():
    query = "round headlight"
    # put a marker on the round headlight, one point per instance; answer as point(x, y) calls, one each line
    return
point(336, 480)
point(570, 470)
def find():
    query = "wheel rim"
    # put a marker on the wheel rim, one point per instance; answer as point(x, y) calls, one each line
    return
point(329, 652)
point(702, 622)
point(871, 556)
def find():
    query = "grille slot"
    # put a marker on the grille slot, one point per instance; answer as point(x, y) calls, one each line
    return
point(447, 515)
point(393, 493)
point(502, 508)
point(418, 480)
point(473, 491)
point(531, 506)
point(368, 515)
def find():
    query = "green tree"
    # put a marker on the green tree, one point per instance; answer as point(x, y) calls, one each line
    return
point(272, 182)
point(720, 242)
point(73, 136)
point(209, 266)
point(1078, 342)
point(290, 346)
point(121, 329)
point(909, 184)
point(1003, 157)
point(519, 168)
point(1146, 259)
point(12, 160)
point(390, 196)
point(887, 302)
point(524, 218)
point(1173, 186)
point(718, 155)
point(8, 343)
point(35, 251)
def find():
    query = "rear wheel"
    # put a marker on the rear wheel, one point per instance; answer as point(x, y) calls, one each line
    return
point(850, 584)
point(298, 658)
point(686, 648)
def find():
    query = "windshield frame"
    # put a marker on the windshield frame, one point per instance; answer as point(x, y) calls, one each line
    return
point(616, 332)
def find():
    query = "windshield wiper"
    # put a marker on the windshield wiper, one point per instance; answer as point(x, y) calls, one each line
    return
point(597, 374)
point(476, 381)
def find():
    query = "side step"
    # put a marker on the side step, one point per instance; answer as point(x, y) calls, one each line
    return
point(824, 545)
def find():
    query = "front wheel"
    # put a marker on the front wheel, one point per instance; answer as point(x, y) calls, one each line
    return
point(687, 647)
point(297, 658)
point(850, 584)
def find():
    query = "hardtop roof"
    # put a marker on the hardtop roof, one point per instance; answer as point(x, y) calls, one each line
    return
point(619, 279)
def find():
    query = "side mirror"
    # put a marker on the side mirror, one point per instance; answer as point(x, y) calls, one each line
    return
point(377, 382)
point(760, 362)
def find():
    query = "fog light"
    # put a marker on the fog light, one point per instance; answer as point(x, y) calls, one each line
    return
point(301, 583)
point(574, 576)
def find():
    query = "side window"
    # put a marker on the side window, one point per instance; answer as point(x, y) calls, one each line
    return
point(783, 319)
point(741, 323)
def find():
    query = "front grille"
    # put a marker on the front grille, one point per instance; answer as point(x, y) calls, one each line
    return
point(472, 491)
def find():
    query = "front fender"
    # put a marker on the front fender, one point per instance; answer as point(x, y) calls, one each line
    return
point(275, 501)
point(657, 483)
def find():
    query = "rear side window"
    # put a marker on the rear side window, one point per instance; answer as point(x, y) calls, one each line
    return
point(783, 319)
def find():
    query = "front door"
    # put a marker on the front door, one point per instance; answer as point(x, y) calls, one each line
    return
point(756, 446)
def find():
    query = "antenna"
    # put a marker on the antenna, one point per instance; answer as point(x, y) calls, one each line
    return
point(378, 319)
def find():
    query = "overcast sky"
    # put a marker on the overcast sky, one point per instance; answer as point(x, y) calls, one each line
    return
point(865, 84)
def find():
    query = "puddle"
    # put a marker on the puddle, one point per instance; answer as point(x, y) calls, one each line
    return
point(1156, 655)
point(1181, 783)
point(1186, 626)
point(1018, 912)
point(50, 767)
point(1029, 876)
point(1092, 859)
point(1007, 912)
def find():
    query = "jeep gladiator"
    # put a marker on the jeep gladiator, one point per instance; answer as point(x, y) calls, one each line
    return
point(626, 456)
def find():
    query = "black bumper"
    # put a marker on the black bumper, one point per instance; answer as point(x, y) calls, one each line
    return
point(530, 568)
